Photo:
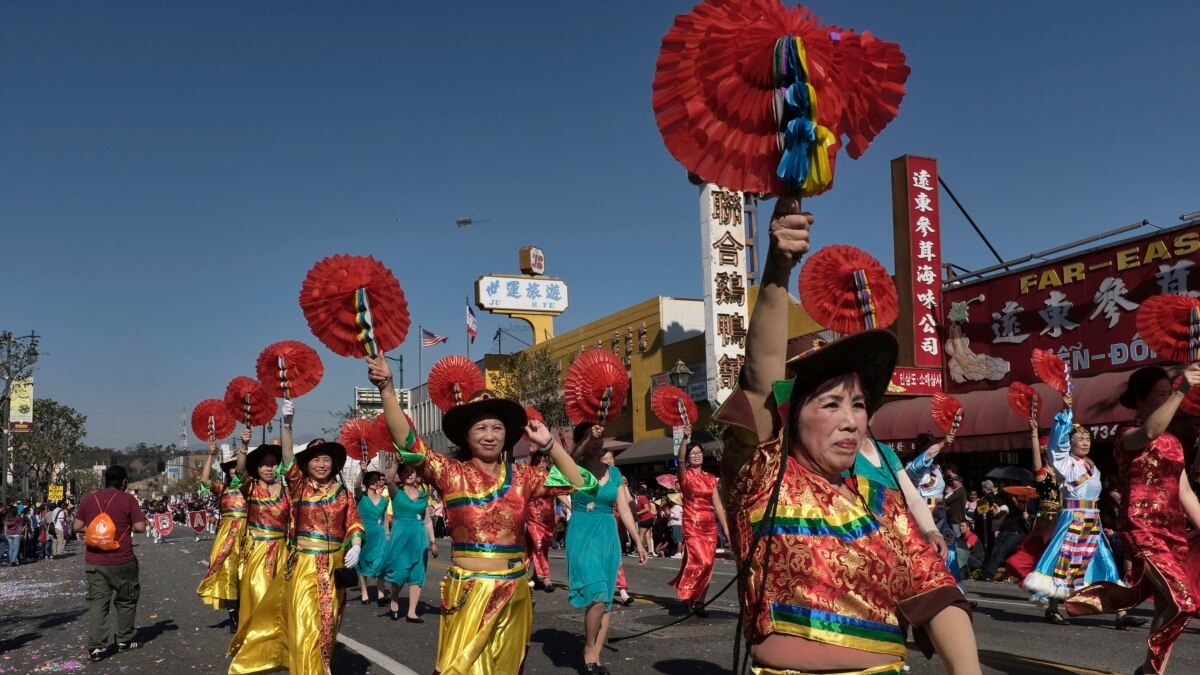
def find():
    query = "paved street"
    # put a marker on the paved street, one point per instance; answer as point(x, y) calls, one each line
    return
point(45, 618)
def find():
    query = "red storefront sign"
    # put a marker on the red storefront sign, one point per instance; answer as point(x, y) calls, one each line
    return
point(916, 217)
point(1082, 308)
point(915, 381)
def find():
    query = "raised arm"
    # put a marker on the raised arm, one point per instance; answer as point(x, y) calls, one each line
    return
point(539, 434)
point(919, 509)
point(1157, 422)
point(206, 472)
point(1036, 445)
point(285, 439)
point(923, 462)
point(681, 454)
point(243, 445)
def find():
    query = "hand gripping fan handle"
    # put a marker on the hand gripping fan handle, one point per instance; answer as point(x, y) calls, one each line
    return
point(787, 204)
point(362, 318)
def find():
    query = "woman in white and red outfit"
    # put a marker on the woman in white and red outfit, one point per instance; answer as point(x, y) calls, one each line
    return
point(702, 510)
point(540, 522)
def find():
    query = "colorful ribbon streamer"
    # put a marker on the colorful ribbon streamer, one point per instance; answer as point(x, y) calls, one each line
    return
point(804, 163)
point(283, 378)
point(866, 302)
point(362, 319)
point(605, 402)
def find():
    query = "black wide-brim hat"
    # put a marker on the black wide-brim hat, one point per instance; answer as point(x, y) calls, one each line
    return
point(457, 420)
point(336, 451)
point(257, 456)
point(870, 354)
point(226, 467)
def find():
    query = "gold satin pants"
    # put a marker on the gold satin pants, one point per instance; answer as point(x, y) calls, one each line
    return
point(487, 619)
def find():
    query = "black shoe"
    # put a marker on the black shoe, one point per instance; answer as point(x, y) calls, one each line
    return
point(96, 654)
point(549, 588)
point(595, 669)
point(699, 611)
point(127, 646)
point(383, 601)
point(626, 602)
point(414, 619)
point(233, 621)
point(1126, 622)
point(1057, 619)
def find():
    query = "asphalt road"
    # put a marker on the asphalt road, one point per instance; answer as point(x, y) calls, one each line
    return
point(44, 626)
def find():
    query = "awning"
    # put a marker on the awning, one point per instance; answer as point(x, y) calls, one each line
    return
point(990, 424)
point(660, 449)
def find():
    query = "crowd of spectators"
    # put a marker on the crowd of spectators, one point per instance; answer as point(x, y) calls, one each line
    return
point(35, 531)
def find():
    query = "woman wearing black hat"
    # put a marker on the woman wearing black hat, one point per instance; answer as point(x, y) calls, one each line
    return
point(375, 509)
point(832, 569)
point(219, 588)
point(486, 499)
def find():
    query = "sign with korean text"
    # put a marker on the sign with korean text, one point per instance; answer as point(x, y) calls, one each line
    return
point(511, 293)
point(908, 381)
point(20, 411)
point(1081, 307)
point(726, 315)
point(916, 219)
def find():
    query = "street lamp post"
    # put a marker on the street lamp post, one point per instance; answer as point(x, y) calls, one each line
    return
point(399, 361)
point(15, 365)
point(680, 374)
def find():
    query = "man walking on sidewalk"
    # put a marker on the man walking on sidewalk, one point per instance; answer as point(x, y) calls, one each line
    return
point(112, 576)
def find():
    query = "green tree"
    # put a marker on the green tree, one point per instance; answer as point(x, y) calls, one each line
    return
point(54, 444)
point(535, 378)
point(340, 417)
point(85, 481)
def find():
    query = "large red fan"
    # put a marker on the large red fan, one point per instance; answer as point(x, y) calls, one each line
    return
point(731, 94)
point(1052, 370)
point(248, 402)
point(596, 386)
point(845, 289)
point(211, 420)
point(453, 380)
point(532, 414)
point(364, 438)
point(1024, 400)
point(673, 407)
point(1170, 325)
point(946, 411)
point(290, 368)
point(354, 305)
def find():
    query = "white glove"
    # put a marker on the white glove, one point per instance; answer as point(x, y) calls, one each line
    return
point(351, 558)
point(289, 410)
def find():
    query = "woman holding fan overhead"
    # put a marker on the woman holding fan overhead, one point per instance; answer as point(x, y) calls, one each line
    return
point(1157, 501)
point(219, 588)
point(375, 510)
point(702, 512)
point(539, 530)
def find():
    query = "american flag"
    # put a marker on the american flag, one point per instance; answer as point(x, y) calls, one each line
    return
point(472, 326)
point(430, 339)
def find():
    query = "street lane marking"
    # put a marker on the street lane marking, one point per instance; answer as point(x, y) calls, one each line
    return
point(382, 660)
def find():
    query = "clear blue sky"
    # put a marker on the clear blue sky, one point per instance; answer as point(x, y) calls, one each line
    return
point(170, 170)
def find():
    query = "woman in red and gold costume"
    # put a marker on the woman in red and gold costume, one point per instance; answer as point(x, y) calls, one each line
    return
point(832, 571)
point(539, 530)
point(702, 510)
point(219, 588)
point(487, 608)
point(1157, 502)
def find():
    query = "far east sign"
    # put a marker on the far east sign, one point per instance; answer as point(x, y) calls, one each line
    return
point(500, 292)
point(1083, 308)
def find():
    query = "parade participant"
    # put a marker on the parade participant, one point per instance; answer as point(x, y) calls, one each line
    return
point(297, 622)
point(375, 509)
point(487, 609)
point(702, 511)
point(220, 585)
point(539, 531)
point(931, 486)
point(623, 596)
point(1029, 552)
point(412, 539)
point(1078, 553)
point(1157, 502)
point(878, 462)
point(795, 425)
point(593, 550)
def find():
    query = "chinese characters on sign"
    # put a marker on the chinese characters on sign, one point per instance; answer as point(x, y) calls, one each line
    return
point(541, 294)
point(924, 223)
point(723, 250)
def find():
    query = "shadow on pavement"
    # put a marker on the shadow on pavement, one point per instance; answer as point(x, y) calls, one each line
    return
point(155, 630)
point(346, 662)
point(9, 644)
point(59, 618)
point(564, 649)
point(1017, 665)
point(690, 666)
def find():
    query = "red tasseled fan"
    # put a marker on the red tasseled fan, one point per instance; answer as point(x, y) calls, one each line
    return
point(289, 369)
point(946, 411)
point(354, 305)
point(1052, 370)
point(596, 386)
point(846, 290)
point(361, 434)
point(666, 401)
point(533, 415)
point(248, 402)
point(214, 410)
point(715, 91)
point(1170, 325)
point(453, 380)
point(1190, 404)
point(1024, 400)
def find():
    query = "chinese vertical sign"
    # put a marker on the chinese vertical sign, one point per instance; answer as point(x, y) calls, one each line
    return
point(726, 316)
point(20, 413)
point(917, 223)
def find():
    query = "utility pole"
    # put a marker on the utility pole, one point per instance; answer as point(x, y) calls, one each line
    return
point(18, 363)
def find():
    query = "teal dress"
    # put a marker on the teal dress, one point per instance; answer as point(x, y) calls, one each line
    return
point(593, 550)
point(370, 559)
point(888, 471)
point(408, 547)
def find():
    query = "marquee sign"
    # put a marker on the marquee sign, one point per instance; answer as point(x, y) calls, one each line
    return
point(726, 314)
point(513, 293)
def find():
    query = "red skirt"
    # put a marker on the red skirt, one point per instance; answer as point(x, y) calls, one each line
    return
point(699, 552)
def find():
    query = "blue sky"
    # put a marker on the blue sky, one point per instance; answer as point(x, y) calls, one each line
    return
point(170, 170)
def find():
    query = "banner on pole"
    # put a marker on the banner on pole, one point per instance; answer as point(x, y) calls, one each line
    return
point(20, 412)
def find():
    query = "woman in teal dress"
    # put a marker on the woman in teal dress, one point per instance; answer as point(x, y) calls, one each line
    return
point(375, 508)
point(593, 550)
point(411, 540)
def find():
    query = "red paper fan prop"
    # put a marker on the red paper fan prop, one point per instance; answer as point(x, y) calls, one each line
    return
point(757, 97)
point(672, 406)
point(453, 380)
point(211, 420)
point(596, 387)
point(947, 412)
point(290, 368)
point(1024, 400)
point(846, 290)
point(1052, 370)
point(354, 305)
point(1170, 325)
point(532, 414)
point(364, 438)
point(248, 402)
